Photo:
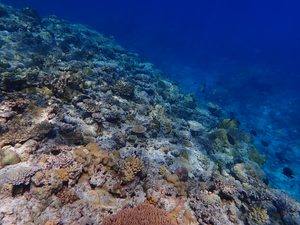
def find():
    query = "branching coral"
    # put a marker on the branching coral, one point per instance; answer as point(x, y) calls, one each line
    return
point(63, 84)
point(258, 215)
point(131, 167)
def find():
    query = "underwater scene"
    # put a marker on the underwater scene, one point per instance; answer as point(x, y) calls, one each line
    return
point(149, 112)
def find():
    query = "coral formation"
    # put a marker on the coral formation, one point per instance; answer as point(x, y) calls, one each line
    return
point(162, 170)
point(64, 84)
point(8, 157)
point(124, 88)
point(139, 129)
point(143, 214)
point(131, 167)
point(18, 174)
point(227, 123)
point(166, 126)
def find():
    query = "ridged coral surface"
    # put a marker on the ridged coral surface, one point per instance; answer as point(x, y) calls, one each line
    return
point(142, 214)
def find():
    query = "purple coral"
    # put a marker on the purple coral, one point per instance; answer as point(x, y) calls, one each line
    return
point(182, 173)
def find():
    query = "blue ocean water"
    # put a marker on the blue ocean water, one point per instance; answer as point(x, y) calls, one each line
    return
point(243, 55)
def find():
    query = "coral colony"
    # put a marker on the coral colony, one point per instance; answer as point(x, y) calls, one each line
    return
point(92, 134)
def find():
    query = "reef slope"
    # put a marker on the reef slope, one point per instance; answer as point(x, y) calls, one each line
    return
point(91, 134)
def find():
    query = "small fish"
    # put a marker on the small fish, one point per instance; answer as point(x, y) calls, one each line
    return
point(203, 91)
point(279, 156)
point(253, 132)
point(204, 85)
point(230, 139)
point(287, 148)
point(238, 122)
point(266, 181)
point(288, 172)
point(264, 143)
point(195, 83)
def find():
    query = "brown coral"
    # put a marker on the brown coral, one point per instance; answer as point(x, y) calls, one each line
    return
point(124, 88)
point(67, 196)
point(64, 84)
point(139, 129)
point(131, 167)
point(21, 132)
point(90, 107)
point(162, 170)
point(259, 215)
point(142, 214)
point(166, 126)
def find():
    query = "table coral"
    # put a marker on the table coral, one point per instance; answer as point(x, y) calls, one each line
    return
point(18, 174)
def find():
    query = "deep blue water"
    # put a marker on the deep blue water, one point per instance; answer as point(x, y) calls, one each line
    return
point(247, 52)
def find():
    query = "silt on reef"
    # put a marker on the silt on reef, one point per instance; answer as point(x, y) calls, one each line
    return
point(90, 133)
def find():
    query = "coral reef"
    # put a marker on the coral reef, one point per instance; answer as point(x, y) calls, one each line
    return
point(91, 133)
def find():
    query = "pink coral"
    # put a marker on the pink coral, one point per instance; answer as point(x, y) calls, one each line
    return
point(142, 214)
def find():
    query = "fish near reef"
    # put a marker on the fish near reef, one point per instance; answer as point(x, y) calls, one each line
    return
point(230, 139)
point(288, 172)
point(264, 143)
point(253, 132)
point(279, 156)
